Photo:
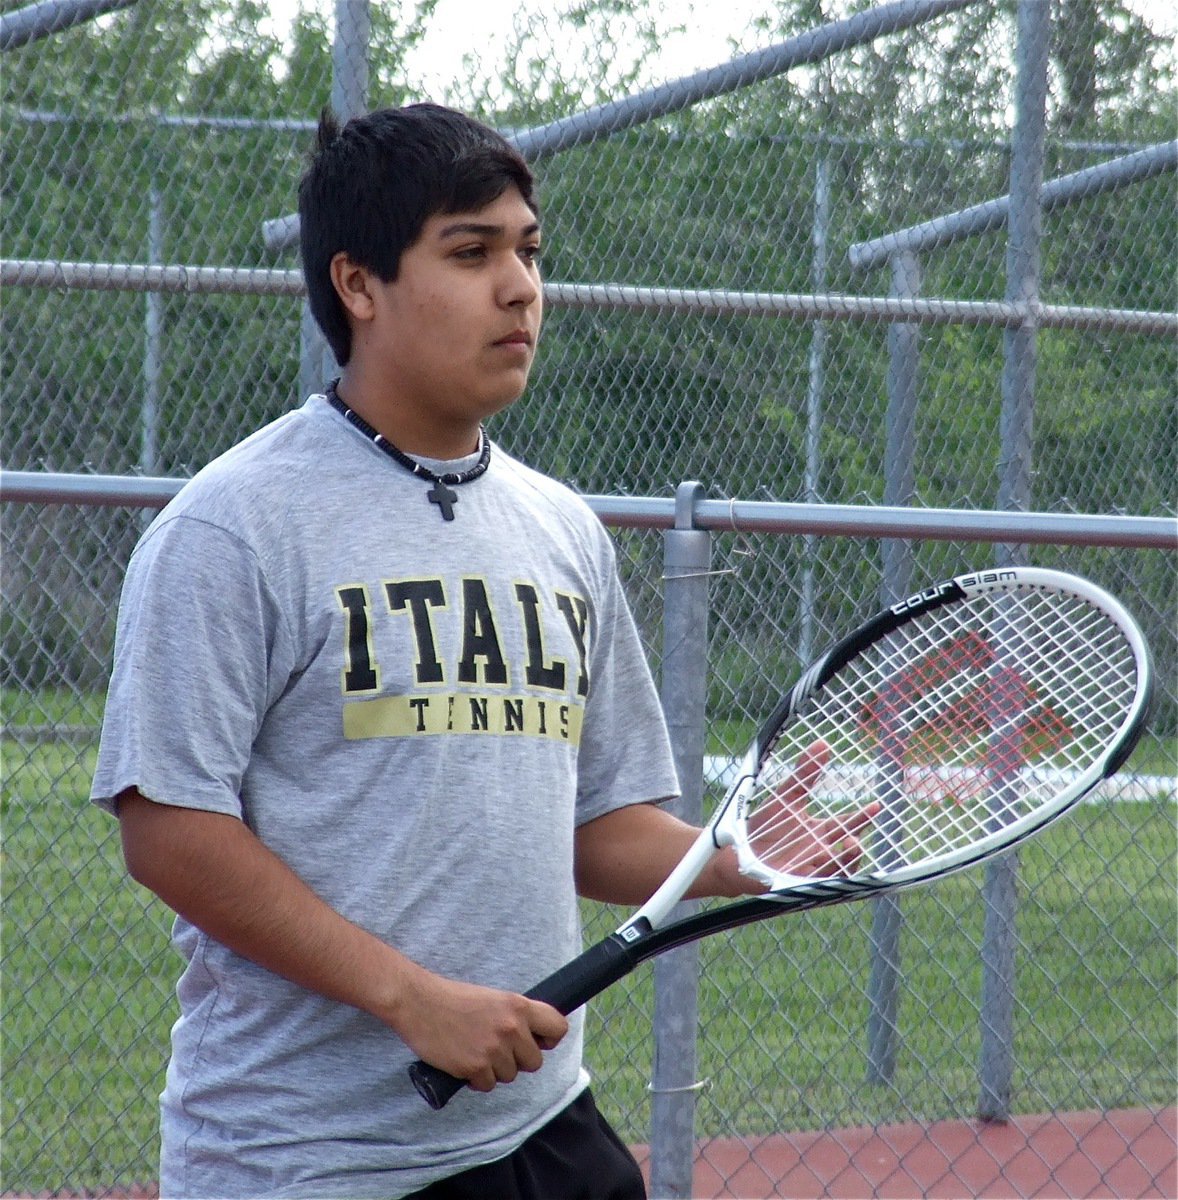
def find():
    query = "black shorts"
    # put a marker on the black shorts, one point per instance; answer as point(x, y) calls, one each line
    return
point(576, 1156)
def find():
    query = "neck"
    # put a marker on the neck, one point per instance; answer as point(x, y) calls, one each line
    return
point(442, 492)
point(425, 435)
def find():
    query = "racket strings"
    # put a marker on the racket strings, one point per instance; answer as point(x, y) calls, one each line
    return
point(1093, 670)
point(963, 720)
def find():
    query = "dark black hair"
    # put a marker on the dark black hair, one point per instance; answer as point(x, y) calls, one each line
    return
point(372, 185)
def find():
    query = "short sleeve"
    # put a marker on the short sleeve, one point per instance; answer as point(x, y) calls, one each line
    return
point(199, 652)
point(625, 755)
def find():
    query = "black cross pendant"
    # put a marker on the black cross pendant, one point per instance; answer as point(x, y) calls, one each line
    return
point(445, 498)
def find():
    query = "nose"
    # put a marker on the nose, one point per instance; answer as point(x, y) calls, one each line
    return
point(520, 285)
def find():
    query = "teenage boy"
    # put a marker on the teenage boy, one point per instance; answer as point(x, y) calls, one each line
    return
point(377, 706)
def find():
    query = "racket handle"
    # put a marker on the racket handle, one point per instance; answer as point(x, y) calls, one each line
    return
point(577, 982)
point(435, 1086)
point(566, 990)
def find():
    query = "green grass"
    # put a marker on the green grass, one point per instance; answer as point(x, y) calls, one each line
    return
point(86, 1001)
point(88, 979)
point(50, 706)
point(1155, 754)
point(783, 1040)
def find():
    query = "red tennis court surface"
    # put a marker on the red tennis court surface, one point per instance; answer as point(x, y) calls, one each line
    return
point(1128, 1154)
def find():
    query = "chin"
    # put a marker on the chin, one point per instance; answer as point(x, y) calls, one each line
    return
point(504, 399)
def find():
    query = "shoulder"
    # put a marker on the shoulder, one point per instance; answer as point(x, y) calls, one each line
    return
point(260, 463)
point(254, 488)
point(549, 499)
point(549, 517)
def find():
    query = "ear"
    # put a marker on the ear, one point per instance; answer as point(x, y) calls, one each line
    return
point(352, 284)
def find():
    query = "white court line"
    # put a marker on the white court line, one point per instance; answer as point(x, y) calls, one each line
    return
point(843, 780)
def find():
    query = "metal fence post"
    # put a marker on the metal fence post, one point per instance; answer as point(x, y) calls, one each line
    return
point(149, 408)
point(1000, 936)
point(900, 444)
point(887, 919)
point(816, 386)
point(349, 98)
point(687, 556)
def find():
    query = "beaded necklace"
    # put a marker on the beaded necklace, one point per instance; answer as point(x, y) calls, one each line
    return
point(441, 493)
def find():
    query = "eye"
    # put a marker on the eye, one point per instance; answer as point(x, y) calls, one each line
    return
point(531, 254)
point(470, 253)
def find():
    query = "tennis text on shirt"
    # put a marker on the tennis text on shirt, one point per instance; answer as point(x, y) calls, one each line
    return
point(541, 696)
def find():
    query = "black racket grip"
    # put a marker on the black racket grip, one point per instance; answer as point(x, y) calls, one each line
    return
point(566, 990)
point(435, 1086)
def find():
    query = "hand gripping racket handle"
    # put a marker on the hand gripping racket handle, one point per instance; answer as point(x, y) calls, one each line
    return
point(566, 990)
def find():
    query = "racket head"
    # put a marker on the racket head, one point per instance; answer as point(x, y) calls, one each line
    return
point(972, 714)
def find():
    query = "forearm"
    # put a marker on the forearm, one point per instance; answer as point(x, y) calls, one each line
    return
point(624, 856)
point(214, 872)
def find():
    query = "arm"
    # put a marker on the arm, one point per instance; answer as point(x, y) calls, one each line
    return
point(213, 871)
point(623, 856)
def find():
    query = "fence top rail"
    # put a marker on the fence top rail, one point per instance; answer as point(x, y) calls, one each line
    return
point(719, 516)
point(603, 120)
point(990, 215)
point(611, 297)
point(36, 21)
point(822, 141)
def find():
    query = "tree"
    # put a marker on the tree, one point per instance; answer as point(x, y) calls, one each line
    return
point(720, 196)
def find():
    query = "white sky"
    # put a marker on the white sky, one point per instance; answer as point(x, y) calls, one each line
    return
point(474, 26)
point(483, 28)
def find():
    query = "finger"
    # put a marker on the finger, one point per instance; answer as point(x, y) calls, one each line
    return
point(849, 852)
point(482, 1080)
point(864, 817)
point(786, 806)
point(839, 858)
point(835, 828)
point(810, 765)
point(506, 1064)
point(853, 857)
point(790, 849)
point(547, 1024)
point(528, 1055)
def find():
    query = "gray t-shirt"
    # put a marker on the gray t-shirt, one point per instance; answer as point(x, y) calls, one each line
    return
point(415, 715)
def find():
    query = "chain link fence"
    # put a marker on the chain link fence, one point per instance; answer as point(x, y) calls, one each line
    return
point(793, 278)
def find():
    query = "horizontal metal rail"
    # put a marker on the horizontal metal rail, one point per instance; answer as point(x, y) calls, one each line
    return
point(745, 516)
point(162, 120)
point(992, 215)
point(603, 120)
point(608, 297)
point(838, 306)
point(59, 275)
point(38, 21)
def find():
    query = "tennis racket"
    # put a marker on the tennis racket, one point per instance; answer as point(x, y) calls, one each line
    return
point(971, 715)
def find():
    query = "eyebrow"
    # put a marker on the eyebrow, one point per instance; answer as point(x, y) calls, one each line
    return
point(477, 229)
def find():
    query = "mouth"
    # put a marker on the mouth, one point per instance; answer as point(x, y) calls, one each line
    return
point(517, 337)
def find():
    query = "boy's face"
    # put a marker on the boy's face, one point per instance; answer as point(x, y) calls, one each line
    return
point(452, 339)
